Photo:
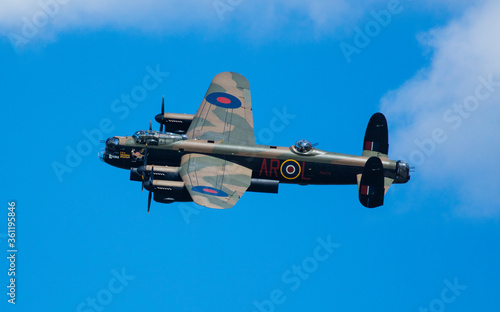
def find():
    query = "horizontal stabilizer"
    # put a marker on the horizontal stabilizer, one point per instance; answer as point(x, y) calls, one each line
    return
point(371, 186)
point(376, 142)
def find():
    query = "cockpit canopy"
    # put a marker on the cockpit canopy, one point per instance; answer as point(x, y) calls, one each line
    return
point(112, 141)
point(154, 137)
point(303, 146)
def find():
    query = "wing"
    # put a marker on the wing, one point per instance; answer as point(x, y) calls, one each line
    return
point(214, 182)
point(225, 113)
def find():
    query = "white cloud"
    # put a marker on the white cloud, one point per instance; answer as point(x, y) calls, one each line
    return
point(453, 97)
point(261, 18)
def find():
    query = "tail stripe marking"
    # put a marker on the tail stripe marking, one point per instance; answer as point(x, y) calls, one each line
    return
point(371, 146)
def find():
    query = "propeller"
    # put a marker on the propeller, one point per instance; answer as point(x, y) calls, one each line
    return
point(151, 185)
point(160, 118)
point(144, 166)
point(162, 111)
point(150, 180)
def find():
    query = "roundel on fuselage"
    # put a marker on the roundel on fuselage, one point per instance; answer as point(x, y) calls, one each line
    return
point(290, 169)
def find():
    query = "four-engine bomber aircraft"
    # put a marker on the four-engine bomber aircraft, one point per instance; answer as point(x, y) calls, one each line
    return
point(211, 158)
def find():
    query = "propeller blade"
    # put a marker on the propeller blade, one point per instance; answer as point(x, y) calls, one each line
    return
point(150, 128)
point(145, 165)
point(149, 200)
point(162, 111)
point(151, 185)
point(163, 105)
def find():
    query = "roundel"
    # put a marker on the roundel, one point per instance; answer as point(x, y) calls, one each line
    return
point(209, 190)
point(223, 99)
point(290, 169)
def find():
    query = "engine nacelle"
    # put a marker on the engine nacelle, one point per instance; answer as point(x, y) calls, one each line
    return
point(164, 173)
point(175, 123)
point(167, 192)
point(263, 186)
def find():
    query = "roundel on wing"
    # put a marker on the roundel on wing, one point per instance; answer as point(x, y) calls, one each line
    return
point(290, 169)
point(209, 190)
point(223, 99)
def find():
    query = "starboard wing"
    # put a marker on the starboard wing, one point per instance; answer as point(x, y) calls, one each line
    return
point(214, 182)
point(225, 114)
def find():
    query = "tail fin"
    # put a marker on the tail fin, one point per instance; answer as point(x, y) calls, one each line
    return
point(376, 142)
point(371, 183)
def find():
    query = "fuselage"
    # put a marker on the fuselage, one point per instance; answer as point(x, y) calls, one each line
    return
point(283, 164)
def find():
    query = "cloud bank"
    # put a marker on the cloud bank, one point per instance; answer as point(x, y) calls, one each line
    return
point(447, 117)
point(43, 19)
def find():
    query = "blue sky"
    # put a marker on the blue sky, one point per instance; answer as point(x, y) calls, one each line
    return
point(84, 239)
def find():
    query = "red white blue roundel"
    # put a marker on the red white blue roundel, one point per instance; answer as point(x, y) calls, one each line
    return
point(209, 190)
point(223, 99)
point(290, 169)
